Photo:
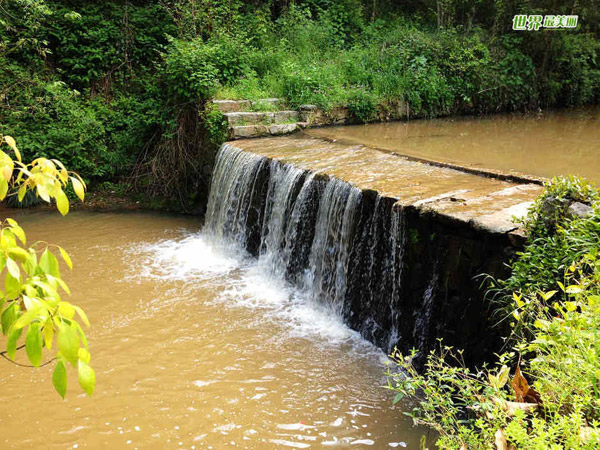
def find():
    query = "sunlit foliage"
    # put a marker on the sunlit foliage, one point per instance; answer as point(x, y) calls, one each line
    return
point(34, 314)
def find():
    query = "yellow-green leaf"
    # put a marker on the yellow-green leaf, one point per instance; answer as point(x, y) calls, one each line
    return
point(12, 144)
point(570, 306)
point(3, 188)
point(59, 379)
point(49, 264)
point(573, 289)
point(13, 268)
point(82, 315)
point(62, 202)
point(33, 344)
point(18, 254)
point(65, 309)
point(17, 230)
point(22, 192)
point(11, 343)
point(66, 257)
point(48, 332)
point(68, 343)
point(78, 188)
point(86, 376)
point(84, 355)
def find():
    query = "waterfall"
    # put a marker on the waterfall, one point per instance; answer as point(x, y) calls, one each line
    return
point(307, 228)
point(330, 251)
point(375, 264)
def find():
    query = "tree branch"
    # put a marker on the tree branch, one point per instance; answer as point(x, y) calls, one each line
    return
point(3, 354)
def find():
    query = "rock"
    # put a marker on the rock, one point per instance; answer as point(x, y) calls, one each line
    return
point(579, 210)
point(551, 210)
point(285, 116)
point(232, 105)
point(283, 128)
point(308, 107)
point(248, 131)
point(552, 206)
point(248, 118)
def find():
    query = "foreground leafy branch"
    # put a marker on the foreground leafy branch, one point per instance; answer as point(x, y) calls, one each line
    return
point(32, 304)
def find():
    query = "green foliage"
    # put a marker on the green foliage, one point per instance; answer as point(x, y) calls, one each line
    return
point(216, 124)
point(193, 69)
point(556, 242)
point(362, 106)
point(556, 339)
point(33, 288)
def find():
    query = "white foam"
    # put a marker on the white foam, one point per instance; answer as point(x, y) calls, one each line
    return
point(248, 283)
point(194, 256)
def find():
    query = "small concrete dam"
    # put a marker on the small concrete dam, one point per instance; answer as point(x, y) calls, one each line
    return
point(396, 247)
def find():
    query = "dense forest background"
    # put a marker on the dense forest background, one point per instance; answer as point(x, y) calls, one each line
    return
point(118, 89)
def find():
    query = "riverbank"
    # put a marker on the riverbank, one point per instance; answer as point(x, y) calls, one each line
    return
point(542, 391)
point(117, 89)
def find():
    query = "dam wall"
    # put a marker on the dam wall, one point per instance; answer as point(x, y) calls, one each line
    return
point(397, 249)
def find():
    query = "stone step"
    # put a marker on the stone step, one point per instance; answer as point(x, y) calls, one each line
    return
point(261, 130)
point(261, 118)
point(228, 106)
point(232, 105)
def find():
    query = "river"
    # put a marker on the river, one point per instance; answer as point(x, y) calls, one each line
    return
point(549, 143)
point(196, 346)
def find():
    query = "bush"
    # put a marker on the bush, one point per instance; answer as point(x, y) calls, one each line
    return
point(559, 352)
point(363, 106)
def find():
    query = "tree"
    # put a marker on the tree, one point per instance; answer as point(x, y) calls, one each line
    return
point(31, 304)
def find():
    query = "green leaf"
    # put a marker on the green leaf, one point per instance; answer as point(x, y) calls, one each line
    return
point(33, 344)
point(397, 398)
point(62, 202)
point(12, 286)
point(9, 316)
point(68, 343)
point(86, 376)
point(13, 268)
point(59, 379)
point(3, 188)
point(49, 264)
point(11, 343)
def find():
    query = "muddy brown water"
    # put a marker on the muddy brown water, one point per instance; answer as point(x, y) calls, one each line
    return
point(546, 144)
point(195, 348)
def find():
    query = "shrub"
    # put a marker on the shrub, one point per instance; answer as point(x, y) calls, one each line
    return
point(363, 106)
point(559, 352)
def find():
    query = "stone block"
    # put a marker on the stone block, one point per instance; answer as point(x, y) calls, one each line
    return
point(227, 106)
